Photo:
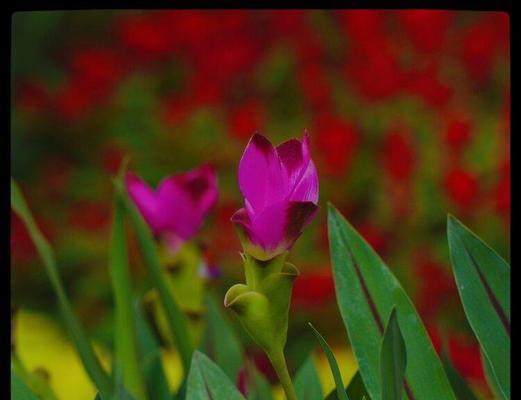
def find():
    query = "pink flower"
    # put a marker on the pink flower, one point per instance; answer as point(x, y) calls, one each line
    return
point(280, 189)
point(175, 211)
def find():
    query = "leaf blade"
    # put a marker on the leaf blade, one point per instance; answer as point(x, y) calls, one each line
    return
point(207, 381)
point(483, 281)
point(82, 344)
point(393, 360)
point(342, 395)
point(307, 382)
point(366, 290)
point(126, 350)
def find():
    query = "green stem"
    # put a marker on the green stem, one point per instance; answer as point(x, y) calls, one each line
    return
point(279, 364)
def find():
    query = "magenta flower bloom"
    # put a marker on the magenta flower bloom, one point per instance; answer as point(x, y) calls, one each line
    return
point(175, 211)
point(280, 189)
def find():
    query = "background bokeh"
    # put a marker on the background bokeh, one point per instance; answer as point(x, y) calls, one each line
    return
point(408, 114)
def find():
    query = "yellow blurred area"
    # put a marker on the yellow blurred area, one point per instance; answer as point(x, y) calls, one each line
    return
point(42, 344)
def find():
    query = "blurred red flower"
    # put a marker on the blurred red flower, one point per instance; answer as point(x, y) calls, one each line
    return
point(436, 287)
point(465, 355)
point(375, 74)
point(398, 154)
point(462, 187)
point(145, 35)
point(315, 86)
point(247, 118)
point(74, 100)
point(427, 29)
point(313, 288)
point(374, 236)
point(89, 216)
point(337, 140)
point(98, 68)
point(481, 42)
point(457, 134)
point(426, 84)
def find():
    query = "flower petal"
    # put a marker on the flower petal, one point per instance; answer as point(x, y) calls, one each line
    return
point(298, 214)
point(145, 200)
point(301, 173)
point(306, 188)
point(260, 174)
point(185, 199)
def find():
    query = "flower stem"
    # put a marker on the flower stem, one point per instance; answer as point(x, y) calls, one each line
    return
point(279, 363)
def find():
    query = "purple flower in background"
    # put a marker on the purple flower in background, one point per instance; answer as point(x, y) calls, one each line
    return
point(176, 209)
point(280, 189)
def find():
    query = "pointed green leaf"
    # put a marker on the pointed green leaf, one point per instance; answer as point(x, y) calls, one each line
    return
point(483, 280)
point(393, 360)
point(366, 291)
point(89, 359)
point(220, 342)
point(206, 381)
point(126, 350)
point(176, 319)
point(461, 389)
point(155, 377)
point(19, 390)
point(341, 393)
point(307, 383)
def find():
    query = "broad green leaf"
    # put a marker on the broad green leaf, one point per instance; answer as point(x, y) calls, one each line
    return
point(490, 377)
point(176, 319)
point(355, 389)
point(366, 291)
point(155, 378)
point(207, 381)
point(220, 342)
point(460, 387)
point(483, 280)
point(19, 390)
point(341, 393)
point(393, 360)
point(126, 350)
point(89, 359)
point(258, 387)
point(307, 383)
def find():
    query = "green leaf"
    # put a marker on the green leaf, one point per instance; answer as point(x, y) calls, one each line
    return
point(483, 280)
point(176, 319)
point(460, 387)
point(207, 381)
point(490, 377)
point(126, 350)
point(307, 383)
point(393, 360)
point(155, 378)
point(332, 365)
point(220, 342)
point(258, 387)
point(19, 390)
point(355, 389)
point(89, 359)
point(366, 291)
